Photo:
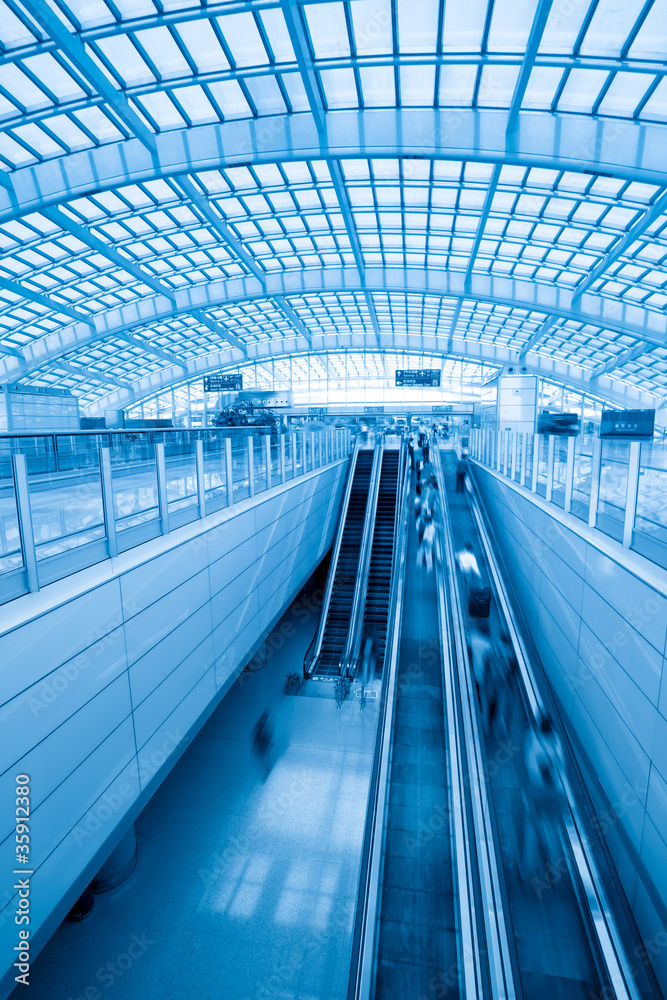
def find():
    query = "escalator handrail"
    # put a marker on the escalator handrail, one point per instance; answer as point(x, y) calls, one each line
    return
point(362, 964)
point(363, 566)
point(498, 949)
point(312, 654)
point(609, 942)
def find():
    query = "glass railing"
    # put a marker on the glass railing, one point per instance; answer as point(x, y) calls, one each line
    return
point(618, 487)
point(68, 501)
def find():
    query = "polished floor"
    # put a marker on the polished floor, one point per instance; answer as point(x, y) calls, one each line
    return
point(244, 888)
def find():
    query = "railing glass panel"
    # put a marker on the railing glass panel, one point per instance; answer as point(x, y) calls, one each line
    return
point(542, 462)
point(583, 474)
point(134, 481)
point(650, 535)
point(613, 487)
point(215, 481)
point(66, 506)
point(11, 556)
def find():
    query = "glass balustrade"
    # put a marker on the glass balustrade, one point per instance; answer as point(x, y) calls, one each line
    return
point(60, 491)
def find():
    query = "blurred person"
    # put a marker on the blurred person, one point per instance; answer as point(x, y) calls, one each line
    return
point(472, 577)
point(545, 760)
point(419, 461)
point(425, 448)
point(426, 543)
point(482, 660)
point(417, 504)
point(411, 451)
point(461, 471)
point(262, 742)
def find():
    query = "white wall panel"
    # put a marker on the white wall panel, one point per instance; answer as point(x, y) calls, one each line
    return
point(148, 651)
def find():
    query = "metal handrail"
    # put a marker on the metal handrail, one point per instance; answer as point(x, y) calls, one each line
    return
point(495, 924)
point(347, 660)
point(311, 657)
point(611, 948)
point(362, 963)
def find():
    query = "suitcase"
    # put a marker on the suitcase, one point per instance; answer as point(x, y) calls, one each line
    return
point(479, 604)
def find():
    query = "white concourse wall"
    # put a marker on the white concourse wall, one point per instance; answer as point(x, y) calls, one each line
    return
point(107, 675)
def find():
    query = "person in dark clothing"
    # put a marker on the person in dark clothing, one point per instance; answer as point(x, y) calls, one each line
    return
point(425, 449)
point(461, 470)
point(262, 742)
point(411, 453)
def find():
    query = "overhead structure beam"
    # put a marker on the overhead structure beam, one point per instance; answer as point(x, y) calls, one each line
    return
point(215, 220)
point(635, 231)
point(297, 35)
point(481, 225)
point(220, 330)
point(59, 218)
point(537, 30)
point(92, 376)
point(537, 337)
point(12, 351)
point(621, 359)
point(148, 348)
point(23, 292)
point(75, 51)
point(294, 319)
point(455, 322)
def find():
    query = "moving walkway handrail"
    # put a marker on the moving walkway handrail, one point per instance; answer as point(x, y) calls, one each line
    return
point(310, 658)
point(362, 966)
point(609, 941)
point(359, 599)
point(493, 905)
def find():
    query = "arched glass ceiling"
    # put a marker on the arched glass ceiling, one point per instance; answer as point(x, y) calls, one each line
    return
point(186, 186)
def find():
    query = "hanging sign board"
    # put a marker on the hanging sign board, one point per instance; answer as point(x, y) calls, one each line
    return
point(317, 410)
point(627, 423)
point(442, 408)
point(422, 377)
point(223, 383)
point(373, 409)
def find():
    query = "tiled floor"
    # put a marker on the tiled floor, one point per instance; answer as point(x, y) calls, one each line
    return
point(244, 889)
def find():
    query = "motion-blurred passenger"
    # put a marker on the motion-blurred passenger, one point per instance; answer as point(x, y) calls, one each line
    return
point(544, 757)
point(461, 472)
point(426, 544)
point(262, 743)
point(472, 577)
point(483, 666)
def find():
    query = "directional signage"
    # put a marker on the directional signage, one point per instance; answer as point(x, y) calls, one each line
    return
point(429, 377)
point(373, 409)
point(442, 408)
point(223, 383)
point(317, 410)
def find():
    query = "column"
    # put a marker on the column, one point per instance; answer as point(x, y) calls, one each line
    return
point(251, 466)
point(596, 462)
point(631, 495)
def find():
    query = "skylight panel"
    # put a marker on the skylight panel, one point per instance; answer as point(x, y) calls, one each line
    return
point(377, 85)
point(196, 105)
point(655, 108)
point(231, 99)
point(98, 124)
point(497, 86)
point(581, 90)
point(13, 152)
point(22, 89)
point(296, 92)
point(542, 86)
point(625, 94)
point(274, 25)
point(651, 40)
point(13, 31)
point(463, 27)
point(417, 86)
point(328, 30)
point(563, 27)
point(417, 26)
point(457, 85)
point(203, 46)
point(123, 56)
point(243, 39)
point(610, 26)
point(371, 20)
point(510, 25)
point(340, 88)
point(266, 95)
point(162, 110)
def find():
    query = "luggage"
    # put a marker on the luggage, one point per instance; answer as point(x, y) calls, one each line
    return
point(479, 604)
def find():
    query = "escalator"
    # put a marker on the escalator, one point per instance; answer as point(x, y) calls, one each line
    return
point(333, 631)
point(376, 609)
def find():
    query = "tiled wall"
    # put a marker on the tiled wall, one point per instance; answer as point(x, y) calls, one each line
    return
point(600, 631)
point(97, 692)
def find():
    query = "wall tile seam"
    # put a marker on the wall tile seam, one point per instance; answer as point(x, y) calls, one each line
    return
point(115, 575)
point(580, 653)
point(575, 525)
point(298, 527)
point(651, 819)
point(54, 670)
point(64, 721)
point(166, 677)
point(611, 750)
point(210, 669)
point(620, 614)
point(80, 763)
point(547, 578)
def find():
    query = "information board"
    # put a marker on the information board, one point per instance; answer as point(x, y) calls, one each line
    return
point(223, 383)
point(627, 423)
point(317, 410)
point(373, 409)
point(422, 377)
point(442, 408)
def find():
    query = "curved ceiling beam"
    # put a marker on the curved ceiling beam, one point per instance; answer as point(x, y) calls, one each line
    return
point(568, 142)
point(629, 319)
point(617, 393)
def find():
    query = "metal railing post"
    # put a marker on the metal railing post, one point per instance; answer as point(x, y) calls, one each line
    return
point(293, 456)
point(536, 462)
point(201, 484)
point(282, 459)
point(267, 459)
point(304, 453)
point(569, 475)
point(551, 454)
point(312, 450)
point(251, 465)
point(596, 463)
point(506, 456)
point(162, 499)
point(515, 442)
point(229, 471)
point(24, 514)
point(631, 495)
point(107, 502)
point(524, 458)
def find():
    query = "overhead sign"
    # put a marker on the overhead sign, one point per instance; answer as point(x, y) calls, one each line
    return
point(373, 409)
point(422, 377)
point(223, 383)
point(627, 423)
point(317, 410)
point(442, 408)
